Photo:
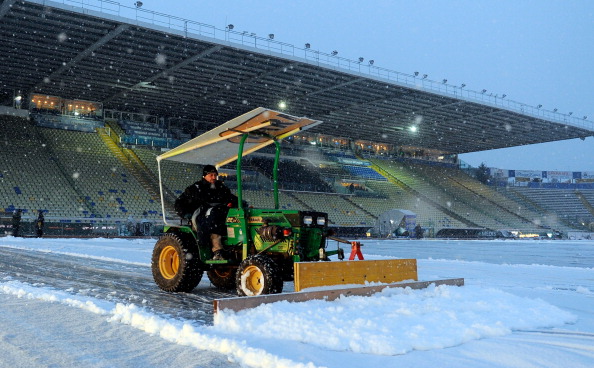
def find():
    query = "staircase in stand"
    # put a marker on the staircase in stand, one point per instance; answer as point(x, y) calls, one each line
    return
point(135, 166)
point(348, 199)
point(392, 179)
point(303, 205)
point(585, 202)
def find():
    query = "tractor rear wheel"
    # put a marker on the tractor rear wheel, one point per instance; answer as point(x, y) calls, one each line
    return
point(258, 275)
point(175, 265)
point(222, 277)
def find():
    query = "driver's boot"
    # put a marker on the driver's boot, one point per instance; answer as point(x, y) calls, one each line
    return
point(217, 247)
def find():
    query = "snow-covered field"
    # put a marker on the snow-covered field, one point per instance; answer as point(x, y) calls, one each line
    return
point(525, 304)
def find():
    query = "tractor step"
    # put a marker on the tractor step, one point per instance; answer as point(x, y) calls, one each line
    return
point(217, 262)
point(240, 303)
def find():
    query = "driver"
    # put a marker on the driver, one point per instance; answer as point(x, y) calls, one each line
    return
point(213, 199)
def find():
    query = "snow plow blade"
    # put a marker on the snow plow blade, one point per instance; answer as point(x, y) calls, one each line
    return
point(314, 274)
point(240, 303)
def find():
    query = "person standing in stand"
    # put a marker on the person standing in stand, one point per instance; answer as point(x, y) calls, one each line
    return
point(16, 222)
point(39, 224)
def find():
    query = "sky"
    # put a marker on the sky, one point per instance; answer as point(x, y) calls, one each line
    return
point(524, 303)
point(536, 52)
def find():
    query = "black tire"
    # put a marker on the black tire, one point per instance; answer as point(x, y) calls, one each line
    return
point(175, 265)
point(222, 277)
point(258, 275)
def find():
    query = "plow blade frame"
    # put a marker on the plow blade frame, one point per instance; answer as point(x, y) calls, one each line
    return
point(240, 303)
point(386, 271)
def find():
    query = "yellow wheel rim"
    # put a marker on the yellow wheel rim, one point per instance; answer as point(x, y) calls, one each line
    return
point(169, 262)
point(254, 280)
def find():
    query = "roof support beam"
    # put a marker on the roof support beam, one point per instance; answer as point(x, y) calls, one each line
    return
point(105, 39)
point(258, 76)
point(5, 7)
point(169, 71)
point(322, 90)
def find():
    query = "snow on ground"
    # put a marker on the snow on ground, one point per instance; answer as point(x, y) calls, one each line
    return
point(525, 304)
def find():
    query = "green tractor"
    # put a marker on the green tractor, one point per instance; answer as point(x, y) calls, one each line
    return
point(262, 245)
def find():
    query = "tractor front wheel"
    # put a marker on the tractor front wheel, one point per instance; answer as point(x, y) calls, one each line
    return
point(258, 275)
point(175, 265)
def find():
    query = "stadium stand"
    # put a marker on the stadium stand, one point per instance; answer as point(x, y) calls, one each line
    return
point(363, 172)
point(428, 215)
point(292, 175)
point(477, 204)
point(79, 123)
point(70, 175)
point(411, 181)
point(76, 176)
point(571, 206)
point(30, 179)
point(176, 175)
point(109, 189)
point(145, 133)
point(470, 190)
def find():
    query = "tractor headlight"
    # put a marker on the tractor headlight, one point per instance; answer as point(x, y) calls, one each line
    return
point(307, 220)
point(321, 221)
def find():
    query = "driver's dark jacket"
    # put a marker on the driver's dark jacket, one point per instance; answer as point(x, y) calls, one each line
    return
point(203, 195)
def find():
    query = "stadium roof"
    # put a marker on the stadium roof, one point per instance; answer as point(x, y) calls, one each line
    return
point(141, 61)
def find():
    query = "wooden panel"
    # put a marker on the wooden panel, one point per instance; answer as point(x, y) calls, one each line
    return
point(313, 274)
point(240, 303)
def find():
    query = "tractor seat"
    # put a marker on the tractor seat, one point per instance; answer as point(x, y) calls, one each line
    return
point(194, 220)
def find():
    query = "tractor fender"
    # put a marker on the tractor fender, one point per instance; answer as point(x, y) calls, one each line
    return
point(190, 239)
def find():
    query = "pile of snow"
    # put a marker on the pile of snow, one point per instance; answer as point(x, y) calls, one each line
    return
point(396, 321)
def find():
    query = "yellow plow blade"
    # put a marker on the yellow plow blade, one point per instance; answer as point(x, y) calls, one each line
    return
point(315, 274)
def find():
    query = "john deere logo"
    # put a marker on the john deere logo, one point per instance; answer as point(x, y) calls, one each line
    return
point(235, 220)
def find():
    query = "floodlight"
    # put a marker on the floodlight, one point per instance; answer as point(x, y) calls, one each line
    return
point(361, 59)
point(539, 106)
point(571, 113)
point(425, 76)
point(503, 96)
point(444, 81)
point(138, 4)
point(483, 91)
point(307, 45)
point(271, 36)
point(555, 110)
point(371, 62)
point(334, 53)
point(230, 27)
point(416, 74)
point(463, 85)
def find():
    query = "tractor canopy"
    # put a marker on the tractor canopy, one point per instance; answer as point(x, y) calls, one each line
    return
point(236, 138)
point(220, 145)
